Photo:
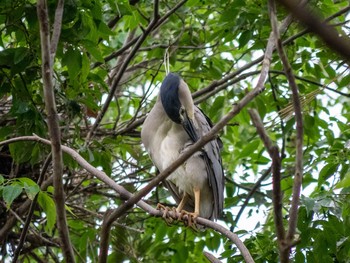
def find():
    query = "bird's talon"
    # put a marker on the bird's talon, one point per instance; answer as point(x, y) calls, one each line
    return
point(166, 216)
point(189, 219)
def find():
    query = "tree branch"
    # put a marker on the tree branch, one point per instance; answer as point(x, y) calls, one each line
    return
point(56, 29)
point(122, 69)
point(211, 257)
point(250, 194)
point(293, 213)
point(127, 195)
point(54, 130)
point(273, 151)
point(327, 33)
point(31, 210)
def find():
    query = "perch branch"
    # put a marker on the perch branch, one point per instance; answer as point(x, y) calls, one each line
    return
point(127, 195)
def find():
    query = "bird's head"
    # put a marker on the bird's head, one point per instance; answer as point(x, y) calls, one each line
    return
point(176, 98)
point(177, 102)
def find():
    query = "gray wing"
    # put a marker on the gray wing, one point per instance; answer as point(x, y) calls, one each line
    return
point(211, 156)
point(213, 161)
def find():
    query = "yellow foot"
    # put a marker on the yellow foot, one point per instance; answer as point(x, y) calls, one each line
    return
point(189, 218)
point(166, 216)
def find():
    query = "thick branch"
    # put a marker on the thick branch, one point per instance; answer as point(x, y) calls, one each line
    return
point(54, 131)
point(340, 44)
point(200, 143)
point(56, 29)
point(272, 150)
point(126, 194)
point(293, 214)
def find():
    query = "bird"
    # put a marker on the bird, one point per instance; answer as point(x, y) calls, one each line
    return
point(174, 124)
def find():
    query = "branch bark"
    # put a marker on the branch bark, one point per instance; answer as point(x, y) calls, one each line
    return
point(31, 210)
point(54, 130)
point(188, 153)
point(127, 195)
point(293, 213)
point(330, 36)
point(273, 151)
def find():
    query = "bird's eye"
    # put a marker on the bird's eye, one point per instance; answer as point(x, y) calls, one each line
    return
point(182, 113)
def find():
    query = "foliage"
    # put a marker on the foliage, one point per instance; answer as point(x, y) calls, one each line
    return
point(206, 40)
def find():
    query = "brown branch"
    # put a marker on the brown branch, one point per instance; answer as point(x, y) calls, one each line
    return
point(132, 42)
point(54, 131)
point(22, 209)
point(162, 176)
point(250, 194)
point(330, 36)
point(56, 29)
point(273, 151)
point(293, 213)
point(211, 257)
point(127, 195)
point(31, 210)
point(122, 69)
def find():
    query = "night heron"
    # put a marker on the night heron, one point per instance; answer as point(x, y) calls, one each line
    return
point(174, 124)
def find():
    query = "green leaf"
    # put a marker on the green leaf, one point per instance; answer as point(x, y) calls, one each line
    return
point(93, 50)
point(48, 205)
point(31, 191)
point(327, 171)
point(85, 67)
point(20, 54)
point(345, 182)
point(72, 59)
point(10, 193)
point(244, 38)
point(249, 148)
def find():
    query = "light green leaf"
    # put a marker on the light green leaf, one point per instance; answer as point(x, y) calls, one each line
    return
point(345, 182)
point(10, 193)
point(31, 191)
point(48, 205)
point(250, 148)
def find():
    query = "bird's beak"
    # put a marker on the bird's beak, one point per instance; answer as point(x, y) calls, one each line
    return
point(190, 127)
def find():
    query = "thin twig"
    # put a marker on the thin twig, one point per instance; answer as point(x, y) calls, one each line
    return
point(122, 69)
point(31, 210)
point(250, 194)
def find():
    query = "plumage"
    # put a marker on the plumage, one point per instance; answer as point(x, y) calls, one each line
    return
point(174, 124)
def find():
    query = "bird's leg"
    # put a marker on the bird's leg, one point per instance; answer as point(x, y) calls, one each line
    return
point(191, 216)
point(182, 203)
